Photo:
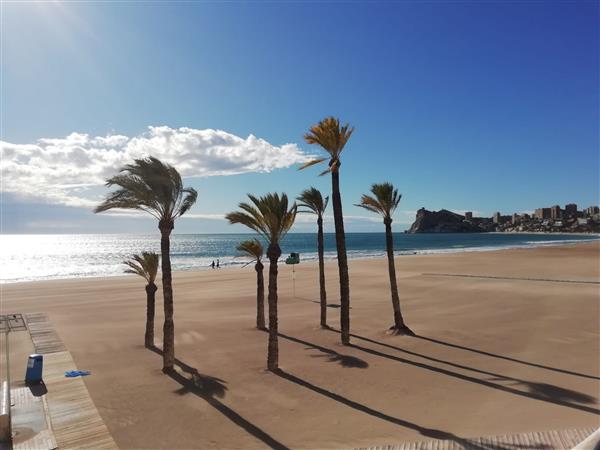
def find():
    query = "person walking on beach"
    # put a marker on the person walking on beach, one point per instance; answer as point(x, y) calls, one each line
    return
point(218, 265)
point(213, 264)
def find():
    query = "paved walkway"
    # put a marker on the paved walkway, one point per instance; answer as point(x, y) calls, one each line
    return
point(58, 413)
point(547, 440)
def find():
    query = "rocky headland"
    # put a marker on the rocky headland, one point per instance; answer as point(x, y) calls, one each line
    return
point(444, 221)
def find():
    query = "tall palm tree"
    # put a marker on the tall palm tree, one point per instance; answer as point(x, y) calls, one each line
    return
point(156, 188)
point(252, 248)
point(146, 266)
point(314, 203)
point(332, 138)
point(384, 201)
point(271, 217)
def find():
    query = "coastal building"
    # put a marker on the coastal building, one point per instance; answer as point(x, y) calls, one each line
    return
point(469, 215)
point(515, 218)
point(592, 210)
point(555, 212)
point(496, 217)
point(571, 210)
point(542, 213)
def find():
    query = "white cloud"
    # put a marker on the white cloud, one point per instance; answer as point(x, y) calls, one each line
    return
point(62, 171)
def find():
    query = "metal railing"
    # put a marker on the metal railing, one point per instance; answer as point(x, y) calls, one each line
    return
point(8, 323)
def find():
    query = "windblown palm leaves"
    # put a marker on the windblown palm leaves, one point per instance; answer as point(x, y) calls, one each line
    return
point(152, 186)
point(333, 137)
point(146, 266)
point(267, 215)
point(311, 201)
point(156, 188)
point(384, 201)
point(270, 216)
point(253, 249)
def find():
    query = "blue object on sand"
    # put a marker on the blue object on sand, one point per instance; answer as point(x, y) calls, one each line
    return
point(77, 373)
point(35, 366)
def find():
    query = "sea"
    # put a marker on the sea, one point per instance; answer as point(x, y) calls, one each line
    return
point(48, 257)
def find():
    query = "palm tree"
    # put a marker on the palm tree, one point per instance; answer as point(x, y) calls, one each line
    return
point(270, 217)
point(252, 248)
point(156, 188)
point(332, 138)
point(384, 201)
point(313, 201)
point(146, 266)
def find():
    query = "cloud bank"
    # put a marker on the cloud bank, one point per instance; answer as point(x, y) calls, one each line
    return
point(62, 171)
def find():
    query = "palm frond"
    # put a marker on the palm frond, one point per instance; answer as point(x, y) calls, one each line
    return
point(313, 201)
point(312, 163)
point(152, 186)
point(384, 201)
point(268, 215)
point(251, 248)
point(144, 265)
point(329, 135)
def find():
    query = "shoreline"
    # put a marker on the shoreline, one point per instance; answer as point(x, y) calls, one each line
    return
point(506, 351)
point(397, 254)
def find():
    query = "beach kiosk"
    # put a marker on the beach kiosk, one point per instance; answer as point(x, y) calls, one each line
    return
point(293, 259)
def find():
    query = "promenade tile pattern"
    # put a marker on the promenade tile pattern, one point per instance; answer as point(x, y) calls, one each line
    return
point(74, 419)
point(546, 440)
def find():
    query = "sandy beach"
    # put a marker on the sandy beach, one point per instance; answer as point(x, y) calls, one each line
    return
point(512, 347)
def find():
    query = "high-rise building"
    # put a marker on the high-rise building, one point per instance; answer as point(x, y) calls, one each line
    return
point(592, 210)
point(496, 217)
point(469, 215)
point(542, 213)
point(555, 212)
point(515, 218)
point(571, 210)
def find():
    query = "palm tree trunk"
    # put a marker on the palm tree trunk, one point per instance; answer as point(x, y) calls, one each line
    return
point(260, 296)
point(399, 325)
point(273, 253)
point(340, 240)
point(322, 273)
point(168, 328)
point(150, 306)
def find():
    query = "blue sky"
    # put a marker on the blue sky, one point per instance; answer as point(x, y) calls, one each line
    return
point(479, 106)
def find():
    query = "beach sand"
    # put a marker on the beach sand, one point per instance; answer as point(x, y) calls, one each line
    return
point(495, 356)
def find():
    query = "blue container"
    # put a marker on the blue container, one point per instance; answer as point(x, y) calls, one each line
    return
point(35, 366)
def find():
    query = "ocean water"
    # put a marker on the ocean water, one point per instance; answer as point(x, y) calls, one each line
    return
point(44, 257)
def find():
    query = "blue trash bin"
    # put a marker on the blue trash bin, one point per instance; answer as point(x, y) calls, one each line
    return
point(35, 366)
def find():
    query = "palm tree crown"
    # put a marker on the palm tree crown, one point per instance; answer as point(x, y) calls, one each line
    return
point(152, 186)
point(144, 265)
point(332, 138)
point(313, 202)
point(384, 201)
point(267, 215)
point(251, 248)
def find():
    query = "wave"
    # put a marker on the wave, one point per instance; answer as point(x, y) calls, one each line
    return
point(74, 256)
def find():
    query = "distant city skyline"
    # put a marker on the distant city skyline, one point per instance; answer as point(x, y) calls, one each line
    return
point(478, 107)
